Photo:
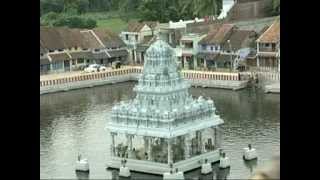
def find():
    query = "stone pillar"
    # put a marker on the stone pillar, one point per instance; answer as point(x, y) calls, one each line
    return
point(258, 63)
point(113, 146)
point(170, 151)
point(129, 141)
point(187, 146)
point(205, 63)
point(135, 56)
point(195, 62)
point(217, 136)
point(149, 148)
point(185, 63)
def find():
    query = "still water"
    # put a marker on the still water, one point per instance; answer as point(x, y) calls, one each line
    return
point(73, 122)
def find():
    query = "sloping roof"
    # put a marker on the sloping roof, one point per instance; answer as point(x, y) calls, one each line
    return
point(118, 53)
point(238, 39)
point(135, 26)
point(100, 55)
point(202, 27)
point(81, 54)
point(42, 49)
point(272, 34)
point(91, 40)
point(50, 38)
point(61, 38)
point(218, 34)
point(109, 38)
point(151, 24)
point(44, 61)
point(59, 57)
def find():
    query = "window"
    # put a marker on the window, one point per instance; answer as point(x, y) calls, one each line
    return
point(127, 37)
point(203, 47)
point(50, 50)
point(267, 44)
point(73, 62)
point(211, 48)
point(96, 50)
point(136, 37)
point(60, 50)
point(216, 47)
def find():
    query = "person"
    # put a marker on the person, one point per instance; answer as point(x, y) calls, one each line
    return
point(79, 157)
point(249, 146)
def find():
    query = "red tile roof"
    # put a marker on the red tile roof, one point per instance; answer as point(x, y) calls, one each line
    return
point(272, 34)
point(217, 34)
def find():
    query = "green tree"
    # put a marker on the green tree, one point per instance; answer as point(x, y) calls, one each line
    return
point(276, 7)
point(90, 23)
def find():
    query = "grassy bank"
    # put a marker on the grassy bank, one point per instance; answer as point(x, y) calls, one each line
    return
point(110, 20)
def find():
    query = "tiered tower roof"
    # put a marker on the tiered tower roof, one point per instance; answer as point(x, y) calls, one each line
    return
point(162, 106)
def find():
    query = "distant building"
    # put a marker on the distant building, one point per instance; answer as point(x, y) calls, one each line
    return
point(268, 48)
point(63, 49)
point(138, 33)
point(220, 46)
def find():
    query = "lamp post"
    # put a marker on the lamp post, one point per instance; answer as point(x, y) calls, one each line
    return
point(230, 48)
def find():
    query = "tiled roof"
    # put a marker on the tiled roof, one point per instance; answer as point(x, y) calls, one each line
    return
point(239, 39)
point(53, 38)
point(109, 38)
point(135, 26)
point(202, 27)
point(118, 53)
point(81, 54)
point(59, 56)
point(217, 34)
point(272, 34)
point(100, 55)
point(91, 40)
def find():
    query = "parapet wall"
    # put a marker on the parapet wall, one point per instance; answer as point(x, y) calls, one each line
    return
point(196, 78)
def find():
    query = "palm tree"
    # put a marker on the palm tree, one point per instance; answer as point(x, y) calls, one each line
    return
point(200, 7)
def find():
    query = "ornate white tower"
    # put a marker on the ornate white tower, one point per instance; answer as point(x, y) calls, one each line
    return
point(163, 125)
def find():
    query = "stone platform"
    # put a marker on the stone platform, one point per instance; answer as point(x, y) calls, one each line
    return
point(161, 168)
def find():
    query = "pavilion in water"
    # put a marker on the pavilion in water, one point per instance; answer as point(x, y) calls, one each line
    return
point(163, 127)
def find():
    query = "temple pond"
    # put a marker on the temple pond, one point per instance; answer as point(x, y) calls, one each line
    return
point(74, 122)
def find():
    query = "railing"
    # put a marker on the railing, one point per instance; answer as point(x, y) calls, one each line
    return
point(220, 76)
point(90, 77)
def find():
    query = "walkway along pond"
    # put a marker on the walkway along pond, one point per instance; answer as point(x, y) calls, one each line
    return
point(196, 78)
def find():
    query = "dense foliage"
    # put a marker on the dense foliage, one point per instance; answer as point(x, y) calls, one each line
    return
point(68, 20)
point(161, 10)
point(276, 7)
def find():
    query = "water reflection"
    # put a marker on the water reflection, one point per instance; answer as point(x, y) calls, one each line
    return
point(73, 122)
point(251, 165)
point(82, 175)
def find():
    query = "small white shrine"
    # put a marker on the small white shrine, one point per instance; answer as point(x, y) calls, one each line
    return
point(163, 129)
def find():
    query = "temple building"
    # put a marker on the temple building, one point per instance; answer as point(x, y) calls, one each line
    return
point(163, 127)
